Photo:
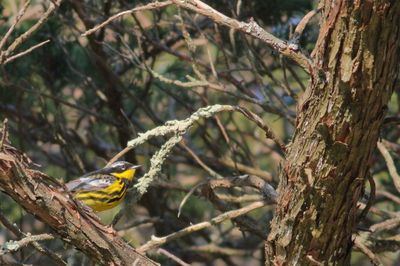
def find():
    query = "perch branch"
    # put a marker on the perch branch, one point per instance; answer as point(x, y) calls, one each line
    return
point(50, 204)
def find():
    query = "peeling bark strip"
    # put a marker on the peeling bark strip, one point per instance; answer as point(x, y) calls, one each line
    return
point(39, 195)
point(336, 132)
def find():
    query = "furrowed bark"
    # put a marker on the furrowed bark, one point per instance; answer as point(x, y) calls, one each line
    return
point(337, 128)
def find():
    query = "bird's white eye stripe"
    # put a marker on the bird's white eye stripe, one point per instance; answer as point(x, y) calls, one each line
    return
point(117, 164)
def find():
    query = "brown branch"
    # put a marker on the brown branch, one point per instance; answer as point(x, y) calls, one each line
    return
point(371, 198)
point(364, 249)
point(214, 249)
point(245, 223)
point(251, 28)
point(386, 225)
point(18, 233)
point(27, 51)
point(12, 246)
point(4, 132)
point(17, 19)
point(23, 37)
point(390, 165)
point(260, 123)
point(303, 23)
point(149, 6)
point(158, 241)
point(266, 189)
point(51, 205)
point(173, 257)
point(245, 168)
point(178, 126)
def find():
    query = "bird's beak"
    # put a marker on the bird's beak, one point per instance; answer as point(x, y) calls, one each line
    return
point(136, 166)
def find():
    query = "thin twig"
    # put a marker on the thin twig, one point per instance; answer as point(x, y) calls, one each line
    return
point(210, 171)
point(214, 249)
point(17, 19)
point(172, 257)
point(178, 128)
point(371, 198)
point(23, 37)
point(302, 24)
point(386, 225)
point(364, 249)
point(131, 224)
point(150, 6)
point(158, 241)
point(390, 165)
point(268, 132)
point(246, 169)
point(15, 230)
point(27, 51)
point(251, 28)
point(12, 246)
point(187, 196)
point(266, 189)
point(4, 133)
point(389, 195)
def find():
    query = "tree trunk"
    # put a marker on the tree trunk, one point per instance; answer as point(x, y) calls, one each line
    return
point(356, 58)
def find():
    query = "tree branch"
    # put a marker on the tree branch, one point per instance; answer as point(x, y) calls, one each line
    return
point(252, 29)
point(43, 198)
point(4, 55)
point(158, 241)
point(390, 165)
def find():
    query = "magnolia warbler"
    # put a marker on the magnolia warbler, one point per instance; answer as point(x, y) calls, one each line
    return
point(105, 188)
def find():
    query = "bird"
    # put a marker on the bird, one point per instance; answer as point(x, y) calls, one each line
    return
point(105, 188)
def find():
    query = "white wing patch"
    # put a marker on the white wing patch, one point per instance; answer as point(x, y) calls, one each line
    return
point(90, 183)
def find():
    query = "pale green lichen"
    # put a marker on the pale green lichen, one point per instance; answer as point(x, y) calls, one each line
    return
point(177, 128)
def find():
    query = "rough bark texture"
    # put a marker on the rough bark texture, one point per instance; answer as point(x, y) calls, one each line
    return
point(38, 195)
point(356, 58)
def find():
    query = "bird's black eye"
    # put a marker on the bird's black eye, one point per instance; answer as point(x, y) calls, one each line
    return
point(123, 167)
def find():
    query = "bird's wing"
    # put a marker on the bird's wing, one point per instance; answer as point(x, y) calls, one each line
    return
point(90, 183)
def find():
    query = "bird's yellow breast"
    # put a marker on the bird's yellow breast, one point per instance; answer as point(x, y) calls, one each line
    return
point(104, 199)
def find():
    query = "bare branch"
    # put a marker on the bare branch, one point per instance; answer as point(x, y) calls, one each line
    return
point(178, 129)
point(303, 23)
point(251, 28)
point(27, 51)
point(364, 249)
point(371, 198)
point(12, 246)
point(386, 225)
point(172, 257)
point(150, 6)
point(33, 191)
point(390, 164)
point(17, 232)
point(17, 19)
point(158, 241)
point(23, 37)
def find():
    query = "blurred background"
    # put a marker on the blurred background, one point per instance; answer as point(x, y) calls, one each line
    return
point(76, 102)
